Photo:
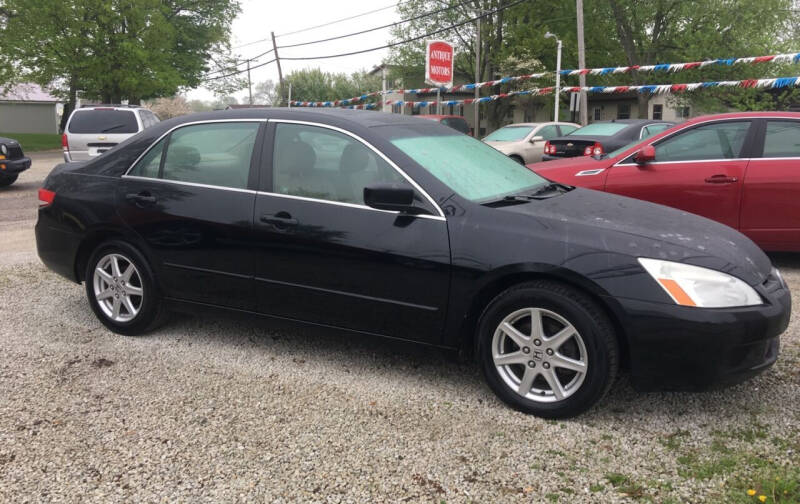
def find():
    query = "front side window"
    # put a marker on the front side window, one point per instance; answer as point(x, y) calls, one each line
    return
point(653, 130)
point(469, 167)
point(548, 132)
point(509, 134)
point(783, 139)
point(321, 163)
point(712, 141)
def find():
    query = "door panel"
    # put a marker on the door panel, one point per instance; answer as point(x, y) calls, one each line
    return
point(698, 170)
point(770, 202)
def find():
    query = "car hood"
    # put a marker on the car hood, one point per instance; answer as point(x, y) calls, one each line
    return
point(501, 146)
point(620, 225)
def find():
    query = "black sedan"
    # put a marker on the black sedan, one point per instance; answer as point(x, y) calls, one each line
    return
point(12, 161)
point(399, 227)
point(603, 137)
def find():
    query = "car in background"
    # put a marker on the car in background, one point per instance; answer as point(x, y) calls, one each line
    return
point(458, 123)
point(600, 137)
point(12, 161)
point(740, 169)
point(524, 142)
point(94, 129)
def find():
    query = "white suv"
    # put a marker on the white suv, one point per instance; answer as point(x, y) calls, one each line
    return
point(92, 130)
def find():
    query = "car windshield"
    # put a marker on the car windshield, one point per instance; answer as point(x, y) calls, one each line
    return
point(469, 167)
point(600, 129)
point(509, 134)
point(103, 121)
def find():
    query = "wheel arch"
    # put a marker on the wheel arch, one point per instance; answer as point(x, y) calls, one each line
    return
point(92, 240)
point(515, 275)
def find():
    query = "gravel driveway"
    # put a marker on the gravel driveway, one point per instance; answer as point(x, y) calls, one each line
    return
point(214, 409)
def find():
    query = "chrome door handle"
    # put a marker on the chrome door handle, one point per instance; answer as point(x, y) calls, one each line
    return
point(721, 179)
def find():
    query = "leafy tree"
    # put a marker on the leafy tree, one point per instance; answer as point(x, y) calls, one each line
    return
point(313, 84)
point(111, 50)
point(266, 93)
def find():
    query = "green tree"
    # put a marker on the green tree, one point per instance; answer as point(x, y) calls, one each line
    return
point(111, 50)
point(313, 84)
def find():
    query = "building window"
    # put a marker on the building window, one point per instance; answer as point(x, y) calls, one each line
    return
point(658, 112)
point(598, 114)
point(682, 112)
point(624, 111)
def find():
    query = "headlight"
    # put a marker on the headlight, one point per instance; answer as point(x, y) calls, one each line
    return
point(4, 149)
point(702, 287)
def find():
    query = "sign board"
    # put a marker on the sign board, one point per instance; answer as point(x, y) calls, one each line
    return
point(439, 63)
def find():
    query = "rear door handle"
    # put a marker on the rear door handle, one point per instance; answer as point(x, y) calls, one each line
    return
point(721, 179)
point(142, 198)
point(280, 220)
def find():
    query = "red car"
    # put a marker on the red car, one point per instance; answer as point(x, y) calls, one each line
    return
point(740, 169)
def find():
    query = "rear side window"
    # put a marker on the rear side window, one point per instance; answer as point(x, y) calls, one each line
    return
point(783, 139)
point(712, 141)
point(148, 166)
point(566, 129)
point(600, 129)
point(103, 121)
point(213, 154)
point(457, 124)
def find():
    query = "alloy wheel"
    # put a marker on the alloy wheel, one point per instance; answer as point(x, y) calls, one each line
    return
point(118, 287)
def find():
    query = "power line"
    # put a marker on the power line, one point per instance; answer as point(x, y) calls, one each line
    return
point(239, 62)
point(390, 25)
point(393, 44)
point(240, 71)
point(317, 26)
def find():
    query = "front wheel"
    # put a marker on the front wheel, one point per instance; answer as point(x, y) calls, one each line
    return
point(121, 289)
point(547, 349)
point(7, 180)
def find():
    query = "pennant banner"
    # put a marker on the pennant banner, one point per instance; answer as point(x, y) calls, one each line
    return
point(677, 67)
point(775, 83)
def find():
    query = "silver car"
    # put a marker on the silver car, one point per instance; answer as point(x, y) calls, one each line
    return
point(524, 142)
point(93, 130)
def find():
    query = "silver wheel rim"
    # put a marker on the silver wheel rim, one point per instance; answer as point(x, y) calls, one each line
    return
point(539, 355)
point(118, 288)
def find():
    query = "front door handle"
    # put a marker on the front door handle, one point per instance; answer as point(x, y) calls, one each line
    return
point(280, 220)
point(721, 179)
point(143, 198)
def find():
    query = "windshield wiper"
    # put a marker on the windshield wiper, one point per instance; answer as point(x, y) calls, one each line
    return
point(549, 190)
point(511, 199)
point(112, 128)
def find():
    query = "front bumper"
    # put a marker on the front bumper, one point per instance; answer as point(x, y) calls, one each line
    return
point(682, 348)
point(14, 166)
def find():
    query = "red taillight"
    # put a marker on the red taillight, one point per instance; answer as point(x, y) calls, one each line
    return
point(46, 197)
point(547, 147)
point(64, 142)
point(594, 150)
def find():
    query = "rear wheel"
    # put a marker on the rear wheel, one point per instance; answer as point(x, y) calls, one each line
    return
point(7, 180)
point(121, 289)
point(547, 349)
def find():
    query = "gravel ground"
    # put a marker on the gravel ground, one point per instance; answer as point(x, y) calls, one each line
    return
point(215, 409)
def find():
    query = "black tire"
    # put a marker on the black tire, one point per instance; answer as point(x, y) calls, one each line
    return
point(7, 180)
point(600, 348)
point(151, 312)
point(518, 159)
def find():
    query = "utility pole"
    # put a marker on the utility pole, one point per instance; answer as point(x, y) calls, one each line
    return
point(557, 99)
point(476, 132)
point(584, 113)
point(278, 61)
point(249, 83)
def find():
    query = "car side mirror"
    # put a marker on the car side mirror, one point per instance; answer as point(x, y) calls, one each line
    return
point(393, 197)
point(645, 155)
point(537, 138)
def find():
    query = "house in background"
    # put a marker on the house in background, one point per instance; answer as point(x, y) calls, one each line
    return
point(27, 108)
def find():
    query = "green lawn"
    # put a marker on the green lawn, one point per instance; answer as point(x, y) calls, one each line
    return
point(32, 142)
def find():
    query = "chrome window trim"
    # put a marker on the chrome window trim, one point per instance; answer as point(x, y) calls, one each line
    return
point(193, 123)
point(191, 184)
point(348, 205)
point(777, 158)
point(373, 149)
point(728, 119)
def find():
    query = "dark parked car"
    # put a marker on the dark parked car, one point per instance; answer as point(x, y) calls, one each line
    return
point(398, 227)
point(12, 161)
point(458, 123)
point(599, 138)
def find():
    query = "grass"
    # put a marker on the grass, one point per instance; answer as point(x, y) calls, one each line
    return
point(33, 142)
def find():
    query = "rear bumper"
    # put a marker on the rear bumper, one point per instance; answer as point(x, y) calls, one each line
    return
point(14, 166)
point(57, 248)
point(683, 348)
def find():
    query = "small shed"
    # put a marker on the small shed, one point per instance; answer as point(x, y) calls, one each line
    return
point(27, 108)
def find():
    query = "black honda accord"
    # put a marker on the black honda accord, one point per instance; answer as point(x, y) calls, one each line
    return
point(402, 228)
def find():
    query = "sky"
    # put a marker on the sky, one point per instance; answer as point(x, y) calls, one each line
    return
point(260, 17)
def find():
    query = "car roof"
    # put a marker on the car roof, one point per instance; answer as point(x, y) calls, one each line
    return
point(744, 115)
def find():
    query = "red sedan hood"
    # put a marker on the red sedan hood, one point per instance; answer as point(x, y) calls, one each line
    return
point(565, 170)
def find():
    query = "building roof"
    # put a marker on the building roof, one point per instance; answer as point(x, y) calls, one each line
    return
point(27, 92)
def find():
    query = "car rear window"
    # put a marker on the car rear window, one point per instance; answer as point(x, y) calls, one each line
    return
point(103, 121)
point(509, 134)
point(600, 129)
